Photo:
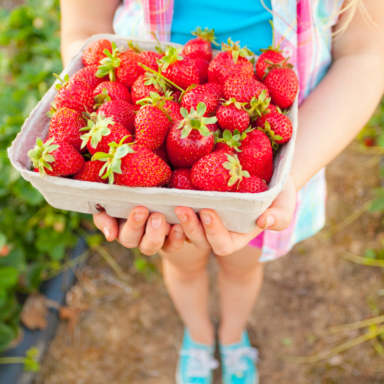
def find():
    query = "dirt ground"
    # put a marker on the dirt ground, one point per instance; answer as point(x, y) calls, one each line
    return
point(130, 332)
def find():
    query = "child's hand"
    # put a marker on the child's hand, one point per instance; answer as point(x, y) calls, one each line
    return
point(148, 233)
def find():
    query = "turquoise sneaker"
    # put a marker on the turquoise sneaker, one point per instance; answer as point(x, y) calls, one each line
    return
point(196, 362)
point(238, 362)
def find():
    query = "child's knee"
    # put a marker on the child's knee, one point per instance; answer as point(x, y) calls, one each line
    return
point(184, 271)
point(242, 274)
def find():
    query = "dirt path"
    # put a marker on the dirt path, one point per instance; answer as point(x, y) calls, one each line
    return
point(133, 337)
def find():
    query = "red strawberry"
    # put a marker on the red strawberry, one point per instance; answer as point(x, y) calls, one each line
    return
point(190, 139)
point(111, 90)
point(146, 84)
point(217, 171)
point(193, 96)
point(172, 107)
point(73, 94)
point(102, 131)
point(200, 47)
point(230, 62)
point(283, 85)
point(276, 126)
point(181, 179)
point(152, 122)
point(65, 126)
point(216, 88)
point(232, 115)
point(121, 66)
point(133, 166)
point(149, 58)
point(265, 60)
point(88, 75)
point(243, 89)
point(90, 172)
point(181, 71)
point(120, 112)
point(95, 52)
point(215, 129)
point(252, 184)
point(257, 155)
point(229, 143)
point(55, 158)
point(162, 152)
point(202, 70)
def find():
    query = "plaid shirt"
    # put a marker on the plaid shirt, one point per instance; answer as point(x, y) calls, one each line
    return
point(303, 28)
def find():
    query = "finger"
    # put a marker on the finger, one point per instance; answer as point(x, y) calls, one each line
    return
point(132, 230)
point(192, 227)
point(279, 215)
point(175, 240)
point(107, 224)
point(155, 232)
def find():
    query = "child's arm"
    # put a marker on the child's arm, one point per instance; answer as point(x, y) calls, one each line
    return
point(81, 19)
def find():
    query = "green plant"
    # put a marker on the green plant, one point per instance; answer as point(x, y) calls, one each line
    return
point(33, 236)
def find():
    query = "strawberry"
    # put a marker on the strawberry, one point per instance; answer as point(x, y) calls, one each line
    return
point(110, 90)
point(230, 62)
point(232, 115)
point(260, 105)
point(162, 152)
point(202, 70)
point(132, 165)
point(55, 158)
point(88, 75)
point(252, 184)
point(73, 94)
point(198, 94)
point(257, 155)
point(243, 89)
point(216, 88)
point(120, 112)
point(121, 66)
point(65, 126)
point(217, 171)
point(191, 138)
point(200, 47)
point(147, 83)
point(172, 107)
point(179, 70)
point(268, 57)
point(101, 131)
point(229, 143)
point(276, 126)
point(149, 58)
point(95, 52)
point(152, 122)
point(181, 179)
point(90, 172)
point(215, 129)
point(283, 85)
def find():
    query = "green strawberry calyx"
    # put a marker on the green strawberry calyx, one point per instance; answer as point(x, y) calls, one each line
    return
point(63, 81)
point(101, 98)
point(232, 139)
point(109, 63)
point(134, 47)
point(172, 55)
point(113, 159)
point(235, 170)
point(156, 80)
point(155, 100)
point(195, 120)
point(272, 47)
point(233, 101)
point(41, 156)
point(271, 66)
point(259, 105)
point(236, 50)
point(271, 135)
point(97, 127)
point(206, 34)
point(52, 110)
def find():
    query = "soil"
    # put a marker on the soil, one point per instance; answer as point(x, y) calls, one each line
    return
point(129, 332)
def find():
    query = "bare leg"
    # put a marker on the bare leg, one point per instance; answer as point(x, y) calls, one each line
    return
point(186, 278)
point(240, 280)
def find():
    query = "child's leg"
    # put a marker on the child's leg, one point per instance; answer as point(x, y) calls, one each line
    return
point(186, 278)
point(240, 280)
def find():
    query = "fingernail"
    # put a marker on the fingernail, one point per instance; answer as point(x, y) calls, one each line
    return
point(270, 221)
point(139, 216)
point(206, 218)
point(183, 218)
point(178, 234)
point(156, 222)
point(107, 232)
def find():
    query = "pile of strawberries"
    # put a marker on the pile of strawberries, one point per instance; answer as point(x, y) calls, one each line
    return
point(174, 118)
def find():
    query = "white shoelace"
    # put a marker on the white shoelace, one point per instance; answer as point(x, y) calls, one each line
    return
point(234, 359)
point(200, 362)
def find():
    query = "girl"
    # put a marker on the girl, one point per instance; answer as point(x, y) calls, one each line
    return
point(341, 82)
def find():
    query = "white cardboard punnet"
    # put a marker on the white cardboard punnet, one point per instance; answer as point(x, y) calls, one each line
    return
point(238, 211)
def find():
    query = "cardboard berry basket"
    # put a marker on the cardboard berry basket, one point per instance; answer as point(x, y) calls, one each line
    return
point(238, 211)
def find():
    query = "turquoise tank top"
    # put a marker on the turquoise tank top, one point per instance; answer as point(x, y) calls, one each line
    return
point(244, 20)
